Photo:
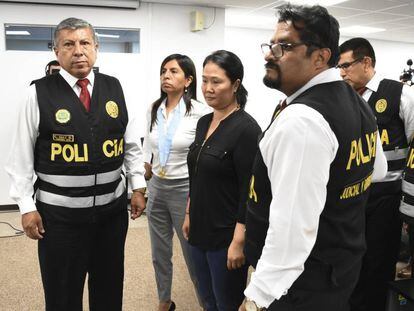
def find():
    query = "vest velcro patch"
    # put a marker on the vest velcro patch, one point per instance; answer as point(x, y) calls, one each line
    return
point(64, 138)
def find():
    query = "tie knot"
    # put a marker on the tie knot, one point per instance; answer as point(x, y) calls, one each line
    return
point(83, 83)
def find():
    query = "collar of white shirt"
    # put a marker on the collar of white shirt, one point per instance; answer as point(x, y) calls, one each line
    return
point(373, 84)
point(326, 76)
point(71, 80)
point(180, 106)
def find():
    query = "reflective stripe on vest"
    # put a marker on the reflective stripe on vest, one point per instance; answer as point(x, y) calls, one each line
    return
point(396, 154)
point(81, 202)
point(407, 187)
point(80, 180)
point(407, 209)
point(392, 176)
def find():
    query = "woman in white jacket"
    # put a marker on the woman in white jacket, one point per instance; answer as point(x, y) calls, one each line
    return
point(172, 121)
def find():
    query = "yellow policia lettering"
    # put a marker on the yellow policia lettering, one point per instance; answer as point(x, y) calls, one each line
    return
point(252, 194)
point(70, 153)
point(115, 148)
point(410, 161)
point(357, 153)
point(356, 189)
point(385, 140)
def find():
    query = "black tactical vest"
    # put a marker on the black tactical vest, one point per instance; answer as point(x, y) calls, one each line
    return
point(340, 241)
point(385, 103)
point(79, 154)
point(407, 200)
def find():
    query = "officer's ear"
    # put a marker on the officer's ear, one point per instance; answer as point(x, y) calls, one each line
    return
point(322, 57)
point(367, 62)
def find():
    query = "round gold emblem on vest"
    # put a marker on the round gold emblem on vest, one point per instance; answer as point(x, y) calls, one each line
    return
point(62, 116)
point(112, 109)
point(381, 105)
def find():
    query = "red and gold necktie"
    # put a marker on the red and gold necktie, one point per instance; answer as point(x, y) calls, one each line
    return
point(84, 96)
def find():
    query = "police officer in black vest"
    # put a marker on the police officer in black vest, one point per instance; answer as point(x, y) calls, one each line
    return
point(407, 205)
point(74, 134)
point(393, 106)
point(312, 173)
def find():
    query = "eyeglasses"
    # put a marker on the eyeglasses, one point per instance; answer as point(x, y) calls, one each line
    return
point(346, 65)
point(277, 49)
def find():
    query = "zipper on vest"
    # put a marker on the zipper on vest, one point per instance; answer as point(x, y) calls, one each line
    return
point(198, 156)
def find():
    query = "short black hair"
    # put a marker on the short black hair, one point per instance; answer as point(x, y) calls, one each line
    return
point(316, 27)
point(360, 48)
point(233, 67)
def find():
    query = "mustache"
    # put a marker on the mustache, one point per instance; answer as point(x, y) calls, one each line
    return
point(270, 65)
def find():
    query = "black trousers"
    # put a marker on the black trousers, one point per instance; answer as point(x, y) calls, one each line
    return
point(383, 234)
point(68, 252)
point(315, 290)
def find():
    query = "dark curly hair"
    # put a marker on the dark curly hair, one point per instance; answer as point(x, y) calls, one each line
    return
point(316, 28)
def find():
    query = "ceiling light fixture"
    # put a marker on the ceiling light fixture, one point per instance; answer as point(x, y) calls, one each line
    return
point(17, 33)
point(104, 35)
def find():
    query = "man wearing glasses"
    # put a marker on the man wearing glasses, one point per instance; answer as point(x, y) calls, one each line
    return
point(393, 106)
point(314, 165)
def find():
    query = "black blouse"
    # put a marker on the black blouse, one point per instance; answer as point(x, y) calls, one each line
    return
point(220, 170)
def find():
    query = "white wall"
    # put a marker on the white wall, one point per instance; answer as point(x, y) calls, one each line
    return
point(165, 29)
point(245, 42)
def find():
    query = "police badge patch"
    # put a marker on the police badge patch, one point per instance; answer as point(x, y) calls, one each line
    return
point(112, 109)
point(62, 116)
point(381, 105)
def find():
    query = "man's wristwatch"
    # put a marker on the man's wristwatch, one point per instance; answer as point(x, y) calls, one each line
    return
point(250, 305)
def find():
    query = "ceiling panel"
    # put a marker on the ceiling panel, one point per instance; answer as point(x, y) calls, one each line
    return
point(402, 10)
point(339, 12)
point(369, 19)
point(248, 4)
point(374, 5)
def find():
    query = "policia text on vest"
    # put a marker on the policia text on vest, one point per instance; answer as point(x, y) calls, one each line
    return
point(79, 153)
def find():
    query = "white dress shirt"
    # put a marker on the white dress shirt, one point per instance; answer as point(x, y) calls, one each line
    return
point(176, 166)
point(298, 149)
point(20, 165)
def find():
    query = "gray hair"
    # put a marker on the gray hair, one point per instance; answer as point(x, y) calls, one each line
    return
point(73, 23)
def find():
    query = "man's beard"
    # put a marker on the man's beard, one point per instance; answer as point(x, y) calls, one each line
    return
point(269, 82)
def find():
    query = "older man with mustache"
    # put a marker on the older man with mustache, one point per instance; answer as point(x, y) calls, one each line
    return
point(75, 136)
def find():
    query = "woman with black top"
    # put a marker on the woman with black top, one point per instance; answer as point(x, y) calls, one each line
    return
point(219, 162)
